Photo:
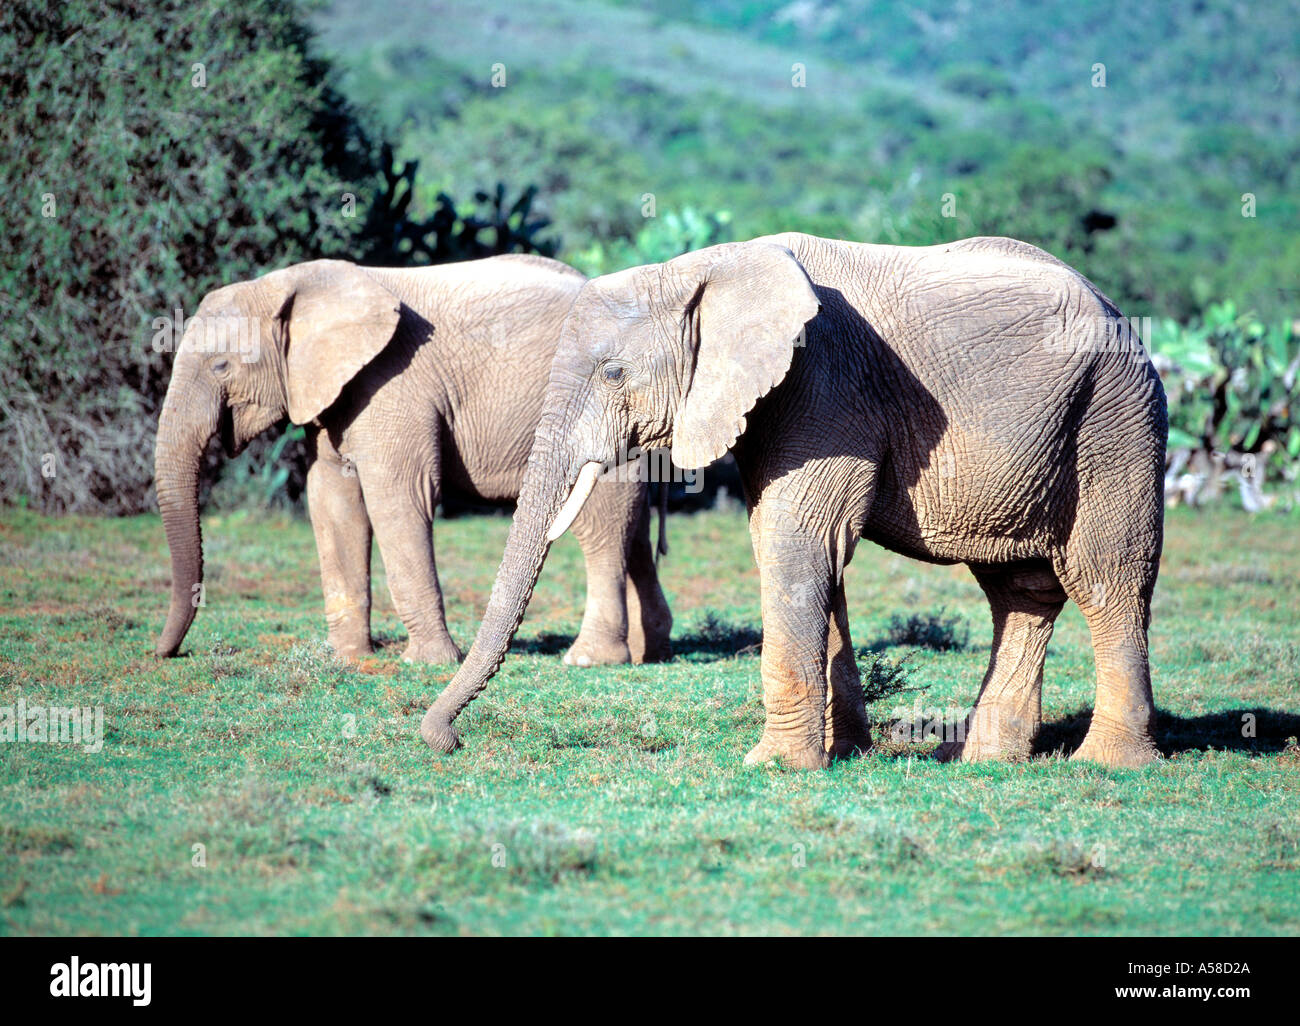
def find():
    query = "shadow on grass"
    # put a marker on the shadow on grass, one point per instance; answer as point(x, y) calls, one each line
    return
point(1174, 734)
point(546, 643)
point(719, 639)
point(716, 637)
point(713, 638)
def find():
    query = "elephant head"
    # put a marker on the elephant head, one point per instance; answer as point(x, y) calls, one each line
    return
point(668, 354)
point(282, 345)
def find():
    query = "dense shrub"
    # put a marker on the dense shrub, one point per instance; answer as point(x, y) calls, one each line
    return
point(149, 152)
point(978, 80)
point(929, 630)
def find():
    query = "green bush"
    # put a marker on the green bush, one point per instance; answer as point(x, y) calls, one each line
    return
point(1233, 384)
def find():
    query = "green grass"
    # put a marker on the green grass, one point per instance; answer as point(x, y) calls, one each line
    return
point(615, 800)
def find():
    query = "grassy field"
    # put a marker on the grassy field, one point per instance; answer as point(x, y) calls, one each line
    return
point(615, 800)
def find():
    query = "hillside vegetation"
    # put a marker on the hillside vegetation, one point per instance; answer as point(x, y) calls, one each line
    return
point(1139, 182)
point(1153, 148)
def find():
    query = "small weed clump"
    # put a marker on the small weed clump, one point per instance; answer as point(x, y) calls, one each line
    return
point(884, 679)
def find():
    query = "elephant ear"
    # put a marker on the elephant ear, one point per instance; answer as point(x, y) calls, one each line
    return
point(748, 311)
point(338, 319)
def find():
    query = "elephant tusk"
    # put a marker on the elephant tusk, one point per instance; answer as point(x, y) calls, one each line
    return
point(573, 505)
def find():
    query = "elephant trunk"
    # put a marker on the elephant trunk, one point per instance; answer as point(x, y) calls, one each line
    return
point(190, 417)
point(554, 488)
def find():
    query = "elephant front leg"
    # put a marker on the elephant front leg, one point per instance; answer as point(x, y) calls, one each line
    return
point(796, 598)
point(402, 512)
point(342, 528)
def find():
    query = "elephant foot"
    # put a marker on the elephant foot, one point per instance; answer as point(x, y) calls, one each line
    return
point(650, 650)
point(991, 735)
point(433, 650)
point(801, 756)
point(1119, 751)
point(981, 750)
point(352, 653)
point(597, 652)
point(978, 749)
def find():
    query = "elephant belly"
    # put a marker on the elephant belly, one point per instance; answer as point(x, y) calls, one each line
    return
point(485, 466)
point(981, 503)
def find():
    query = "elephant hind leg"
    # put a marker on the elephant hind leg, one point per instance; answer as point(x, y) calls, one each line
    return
point(1113, 591)
point(649, 620)
point(1008, 713)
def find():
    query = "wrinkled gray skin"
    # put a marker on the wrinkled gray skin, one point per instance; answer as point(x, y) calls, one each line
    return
point(956, 403)
point(409, 381)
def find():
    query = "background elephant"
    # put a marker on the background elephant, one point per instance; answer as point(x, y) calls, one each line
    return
point(410, 381)
point(976, 402)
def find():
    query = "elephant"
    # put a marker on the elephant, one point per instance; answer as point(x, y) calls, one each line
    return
point(409, 382)
point(976, 402)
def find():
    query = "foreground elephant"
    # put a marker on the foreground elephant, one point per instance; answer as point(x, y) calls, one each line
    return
point(977, 402)
point(409, 381)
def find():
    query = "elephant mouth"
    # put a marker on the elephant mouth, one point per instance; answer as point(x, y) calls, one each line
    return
point(226, 428)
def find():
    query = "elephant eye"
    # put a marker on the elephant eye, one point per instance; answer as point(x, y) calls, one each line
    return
point(220, 366)
point(613, 374)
